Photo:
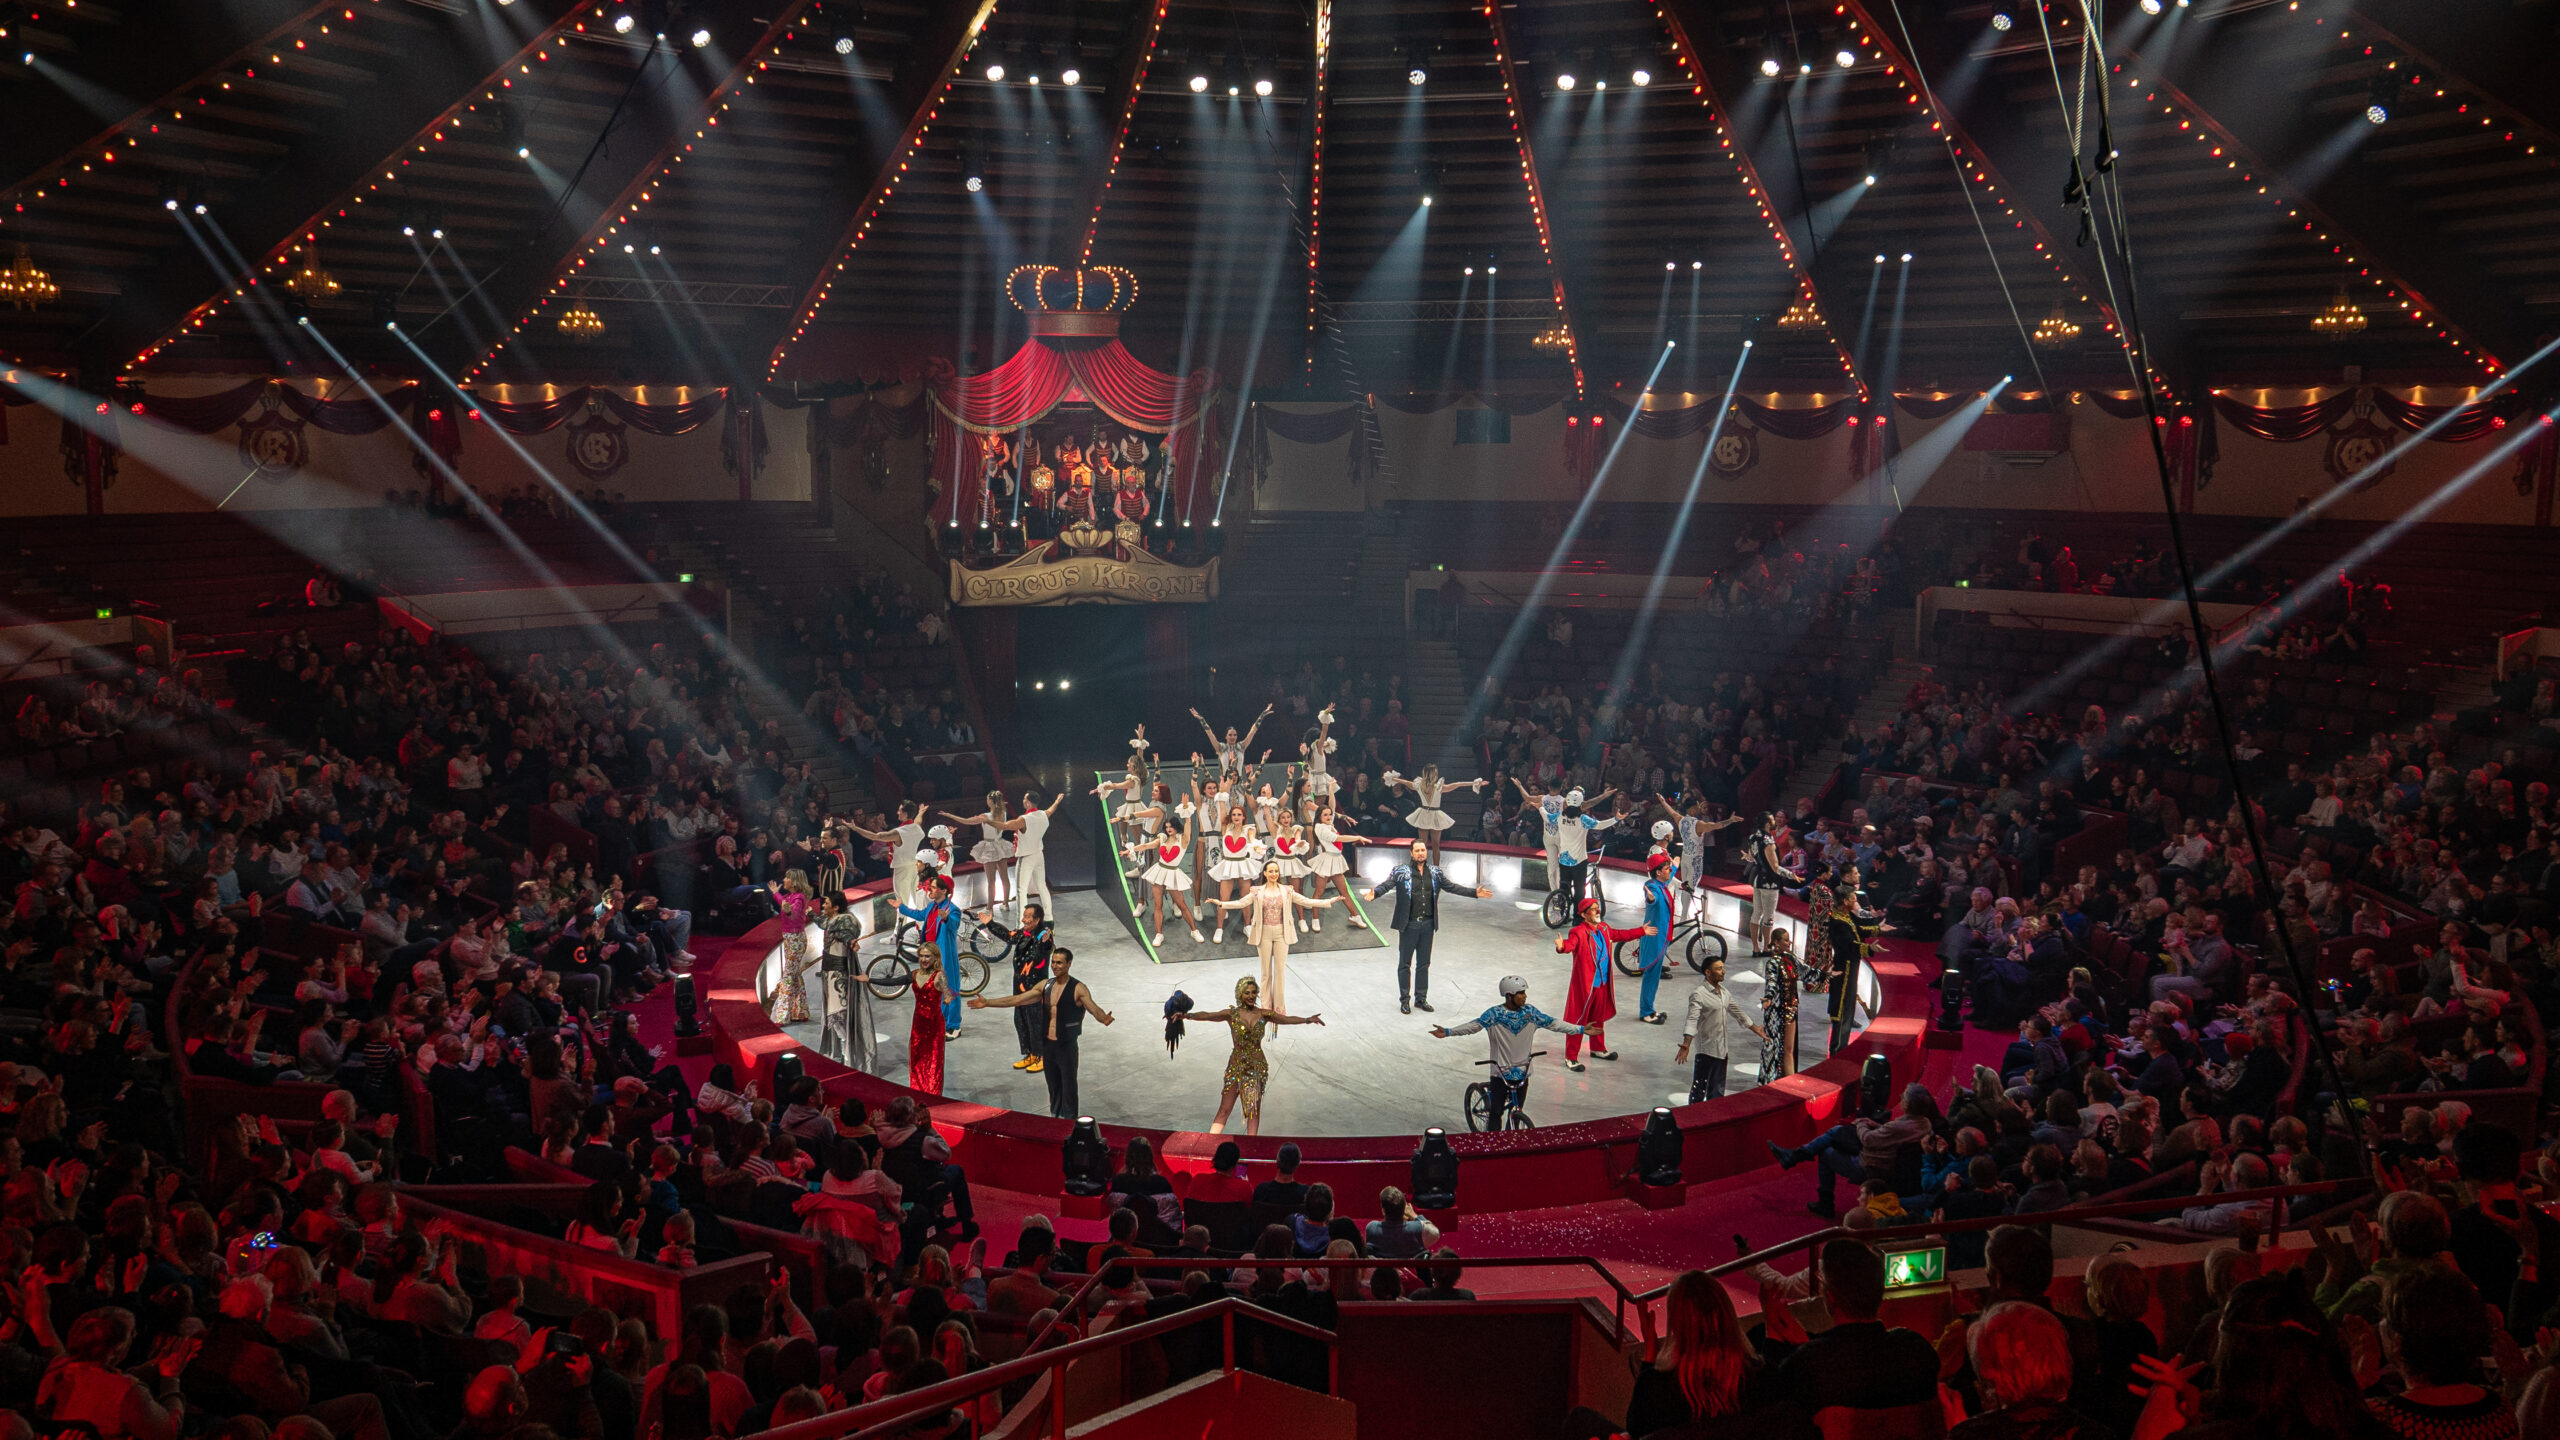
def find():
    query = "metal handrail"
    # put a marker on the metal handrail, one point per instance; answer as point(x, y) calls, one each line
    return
point(891, 1414)
point(1067, 1303)
point(2070, 1216)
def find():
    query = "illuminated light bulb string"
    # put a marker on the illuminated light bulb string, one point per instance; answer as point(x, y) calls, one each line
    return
point(120, 139)
point(1537, 197)
point(1315, 174)
point(1686, 54)
point(2508, 130)
point(1128, 113)
point(1978, 171)
point(278, 264)
point(2401, 298)
point(872, 205)
point(722, 100)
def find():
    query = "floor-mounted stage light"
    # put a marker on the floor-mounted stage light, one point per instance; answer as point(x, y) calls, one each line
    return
point(1434, 1172)
point(787, 1072)
point(1084, 1160)
point(688, 1024)
point(1658, 1149)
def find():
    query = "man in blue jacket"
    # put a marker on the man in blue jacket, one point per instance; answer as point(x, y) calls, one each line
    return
point(1418, 886)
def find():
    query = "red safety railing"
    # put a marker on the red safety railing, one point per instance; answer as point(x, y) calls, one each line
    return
point(893, 1414)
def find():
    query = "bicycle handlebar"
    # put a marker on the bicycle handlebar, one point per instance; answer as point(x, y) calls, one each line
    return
point(1534, 1054)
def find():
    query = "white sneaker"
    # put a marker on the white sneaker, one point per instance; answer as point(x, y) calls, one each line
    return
point(1159, 938)
point(1221, 936)
point(1316, 924)
point(1302, 927)
point(1195, 934)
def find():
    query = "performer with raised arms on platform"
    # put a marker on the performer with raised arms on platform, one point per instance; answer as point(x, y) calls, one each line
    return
point(1237, 859)
point(1593, 996)
point(1268, 925)
point(1428, 820)
point(1320, 781)
point(1418, 886)
point(1231, 751)
point(1161, 856)
point(1247, 1070)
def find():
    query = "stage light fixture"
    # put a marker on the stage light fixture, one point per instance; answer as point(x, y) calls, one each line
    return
point(438, 233)
point(2001, 22)
point(995, 71)
point(1871, 179)
point(172, 203)
point(701, 39)
point(1697, 264)
point(1434, 1172)
point(1599, 84)
point(524, 152)
point(1670, 264)
point(1071, 77)
point(844, 43)
point(1906, 257)
point(2376, 113)
point(1565, 81)
point(200, 207)
point(1199, 83)
point(623, 23)
point(1262, 88)
point(1642, 78)
point(1847, 58)
point(1471, 269)
point(1426, 202)
point(1658, 1149)
point(1879, 259)
point(688, 1024)
point(1416, 75)
point(787, 1072)
point(975, 183)
point(1770, 67)
point(1084, 1160)
point(1805, 69)
point(409, 230)
point(2151, 7)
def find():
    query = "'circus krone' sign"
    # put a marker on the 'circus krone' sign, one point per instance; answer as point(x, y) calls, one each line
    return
point(1037, 579)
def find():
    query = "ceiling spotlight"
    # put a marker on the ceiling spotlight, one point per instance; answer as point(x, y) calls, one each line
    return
point(2001, 22)
point(1471, 269)
point(1565, 81)
point(1199, 84)
point(652, 249)
point(975, 183)
point(2376, 113)
point(1426, 202)
point(172, 204)
point(844, 44)
point(1879, 259)
point(1492, 270)
point(1906, 257)
point(995, 70)
point(1670, 264)
point(1642, 78)
point(1599, 84)
point(1234, 90)
point(1697, 264)
point(200, 207)
point(1871, 179)
point(1805, 69)
point(410, 230)
point(524, 152)
point(701, 38)
point(1032, 80)
point(2150, 7)
point(1262, 88)
point(630, 249)
point(1071, 76)
point(1416, 75)
point(1770, 67)
point(623, 22)
point(1846, 58)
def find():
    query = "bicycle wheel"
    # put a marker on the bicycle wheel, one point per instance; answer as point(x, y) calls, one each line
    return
point(1520, 1121)
point(1629, 957)
point(1705, 948)
point(986, 944)
point(973, 974)
point(1479, 1107)
point(1554, 911)
point(888, 976)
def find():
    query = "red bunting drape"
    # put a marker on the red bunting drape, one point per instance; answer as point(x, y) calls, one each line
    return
point(2286, 423)
point(1037, 379)
point(2472, 424)
point(534, 417)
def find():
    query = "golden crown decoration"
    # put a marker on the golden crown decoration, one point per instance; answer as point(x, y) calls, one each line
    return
point(1096, 294)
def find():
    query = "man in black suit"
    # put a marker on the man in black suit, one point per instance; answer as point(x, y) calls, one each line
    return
point(1418, 886)
point(1858, 1363)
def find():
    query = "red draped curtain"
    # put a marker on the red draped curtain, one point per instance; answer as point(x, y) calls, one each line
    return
point(1037, 379)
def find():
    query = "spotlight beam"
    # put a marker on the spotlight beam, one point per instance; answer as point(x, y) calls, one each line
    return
point(1624, 671)
point(1508, 652)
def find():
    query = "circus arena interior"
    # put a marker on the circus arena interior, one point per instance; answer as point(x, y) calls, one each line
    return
point(1143, 718)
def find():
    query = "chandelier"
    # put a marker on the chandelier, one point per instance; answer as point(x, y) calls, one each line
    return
point(580, 323)
point(1800, 316)
point(2341, 319)
point(1554, 337)
point(311, 284)
point(24, 285)
point(2055, 330)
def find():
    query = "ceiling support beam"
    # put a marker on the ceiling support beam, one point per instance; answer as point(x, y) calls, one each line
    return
point(923, 80)
point(1709, 68)
point(1537, 196)
point(324, 172)
point(1137, 53)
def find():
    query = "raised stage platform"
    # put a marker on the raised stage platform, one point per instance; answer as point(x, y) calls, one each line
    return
point(1355, 1093)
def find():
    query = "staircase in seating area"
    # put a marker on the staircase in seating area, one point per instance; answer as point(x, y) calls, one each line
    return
point(1879, 706)
point(1289, 589)
point(1435, 700)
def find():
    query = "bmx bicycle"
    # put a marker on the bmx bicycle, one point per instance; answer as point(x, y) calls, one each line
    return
point(1480, 1116)
point(1705, 944)
point(891, 973)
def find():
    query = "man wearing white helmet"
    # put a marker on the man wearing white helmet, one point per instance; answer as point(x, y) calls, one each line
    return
point(1510, 1030)
point(1569, 845)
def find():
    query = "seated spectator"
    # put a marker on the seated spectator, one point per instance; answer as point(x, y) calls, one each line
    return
point(2023, 1356)
point(1399, 1234)
point(1222, 1186)
point(1282, 1190)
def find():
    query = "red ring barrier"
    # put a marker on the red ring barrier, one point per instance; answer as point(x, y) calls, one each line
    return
point(1516, 1170)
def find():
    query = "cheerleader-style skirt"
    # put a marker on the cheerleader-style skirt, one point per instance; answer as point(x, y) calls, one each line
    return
point(1245, 869)
point(989, 852)
point(1167, 876)
point(1429, 818)
point(1291, 867)
point(1328, 863)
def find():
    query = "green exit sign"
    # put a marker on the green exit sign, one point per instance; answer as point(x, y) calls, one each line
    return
point(685, 579)
point(106, 613)
point(1906, 1268)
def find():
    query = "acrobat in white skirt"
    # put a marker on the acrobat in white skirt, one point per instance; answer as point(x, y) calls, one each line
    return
point(991, 852)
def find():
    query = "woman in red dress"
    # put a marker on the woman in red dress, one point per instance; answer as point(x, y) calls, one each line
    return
point(924, 1037)
point(1592, 996)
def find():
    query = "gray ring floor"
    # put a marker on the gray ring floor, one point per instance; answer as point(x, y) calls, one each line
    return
point(1368, 1070)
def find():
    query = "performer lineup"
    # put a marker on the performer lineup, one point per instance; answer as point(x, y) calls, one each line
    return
point(1267, 859)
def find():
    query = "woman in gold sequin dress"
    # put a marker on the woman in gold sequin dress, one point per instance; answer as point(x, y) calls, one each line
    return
point(1247, 1070)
